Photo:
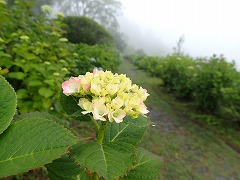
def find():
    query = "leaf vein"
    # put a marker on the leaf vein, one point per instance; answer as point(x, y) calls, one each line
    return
point(119, 133)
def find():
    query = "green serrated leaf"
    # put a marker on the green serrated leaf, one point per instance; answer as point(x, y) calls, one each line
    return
point(45, 92)
point(43, 115)
point(66, 168)
point(131, 132)
point(147, 166)
point(70, 106)
point(32, 142)
point(109, 160)
point(8, 104)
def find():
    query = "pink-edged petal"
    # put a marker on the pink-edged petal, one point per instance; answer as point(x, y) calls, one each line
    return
point(95, 71)
point(71, 86)
point(86, 87)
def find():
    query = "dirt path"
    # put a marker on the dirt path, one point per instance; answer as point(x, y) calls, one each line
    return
point(189, 150)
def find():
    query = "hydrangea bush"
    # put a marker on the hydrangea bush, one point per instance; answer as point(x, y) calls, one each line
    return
point(110, 101)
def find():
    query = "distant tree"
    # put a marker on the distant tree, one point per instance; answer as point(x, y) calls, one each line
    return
point(120, 40)
point(35, 4)
point(140, 52)
point(178, 49)
point(80, 29)
point(103, 11)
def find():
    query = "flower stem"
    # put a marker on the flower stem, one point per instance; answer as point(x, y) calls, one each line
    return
point(101, 131)
point(95, 123)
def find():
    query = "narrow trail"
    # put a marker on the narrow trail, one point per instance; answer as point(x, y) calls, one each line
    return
point(189, 150)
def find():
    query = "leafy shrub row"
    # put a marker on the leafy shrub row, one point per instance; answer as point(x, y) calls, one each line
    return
point(35, 58)
point(212, 83)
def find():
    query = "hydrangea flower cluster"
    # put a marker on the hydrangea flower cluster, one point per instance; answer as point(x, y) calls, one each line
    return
point(107, 96)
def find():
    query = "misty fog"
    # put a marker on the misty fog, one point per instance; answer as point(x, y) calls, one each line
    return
point(209, 27)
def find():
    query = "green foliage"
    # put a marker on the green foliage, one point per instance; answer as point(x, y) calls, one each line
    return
point(177, 73)
point(81, 29)
point(35, 58)
point(212, 77)
point(212, 84)
point(32, 54)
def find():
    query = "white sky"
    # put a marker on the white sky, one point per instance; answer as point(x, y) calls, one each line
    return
point(209, 26)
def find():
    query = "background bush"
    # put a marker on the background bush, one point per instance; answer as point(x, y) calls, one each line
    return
point(213, 84)
point(105, 57)
point(81, 29)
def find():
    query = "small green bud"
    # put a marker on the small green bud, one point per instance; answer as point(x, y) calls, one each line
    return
point(47, 63)
point(56, 74)
point(64, 69)
point(63, 40)
point(24, 37)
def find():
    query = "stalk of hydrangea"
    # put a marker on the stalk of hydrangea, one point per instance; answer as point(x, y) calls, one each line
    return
point(107, 97)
